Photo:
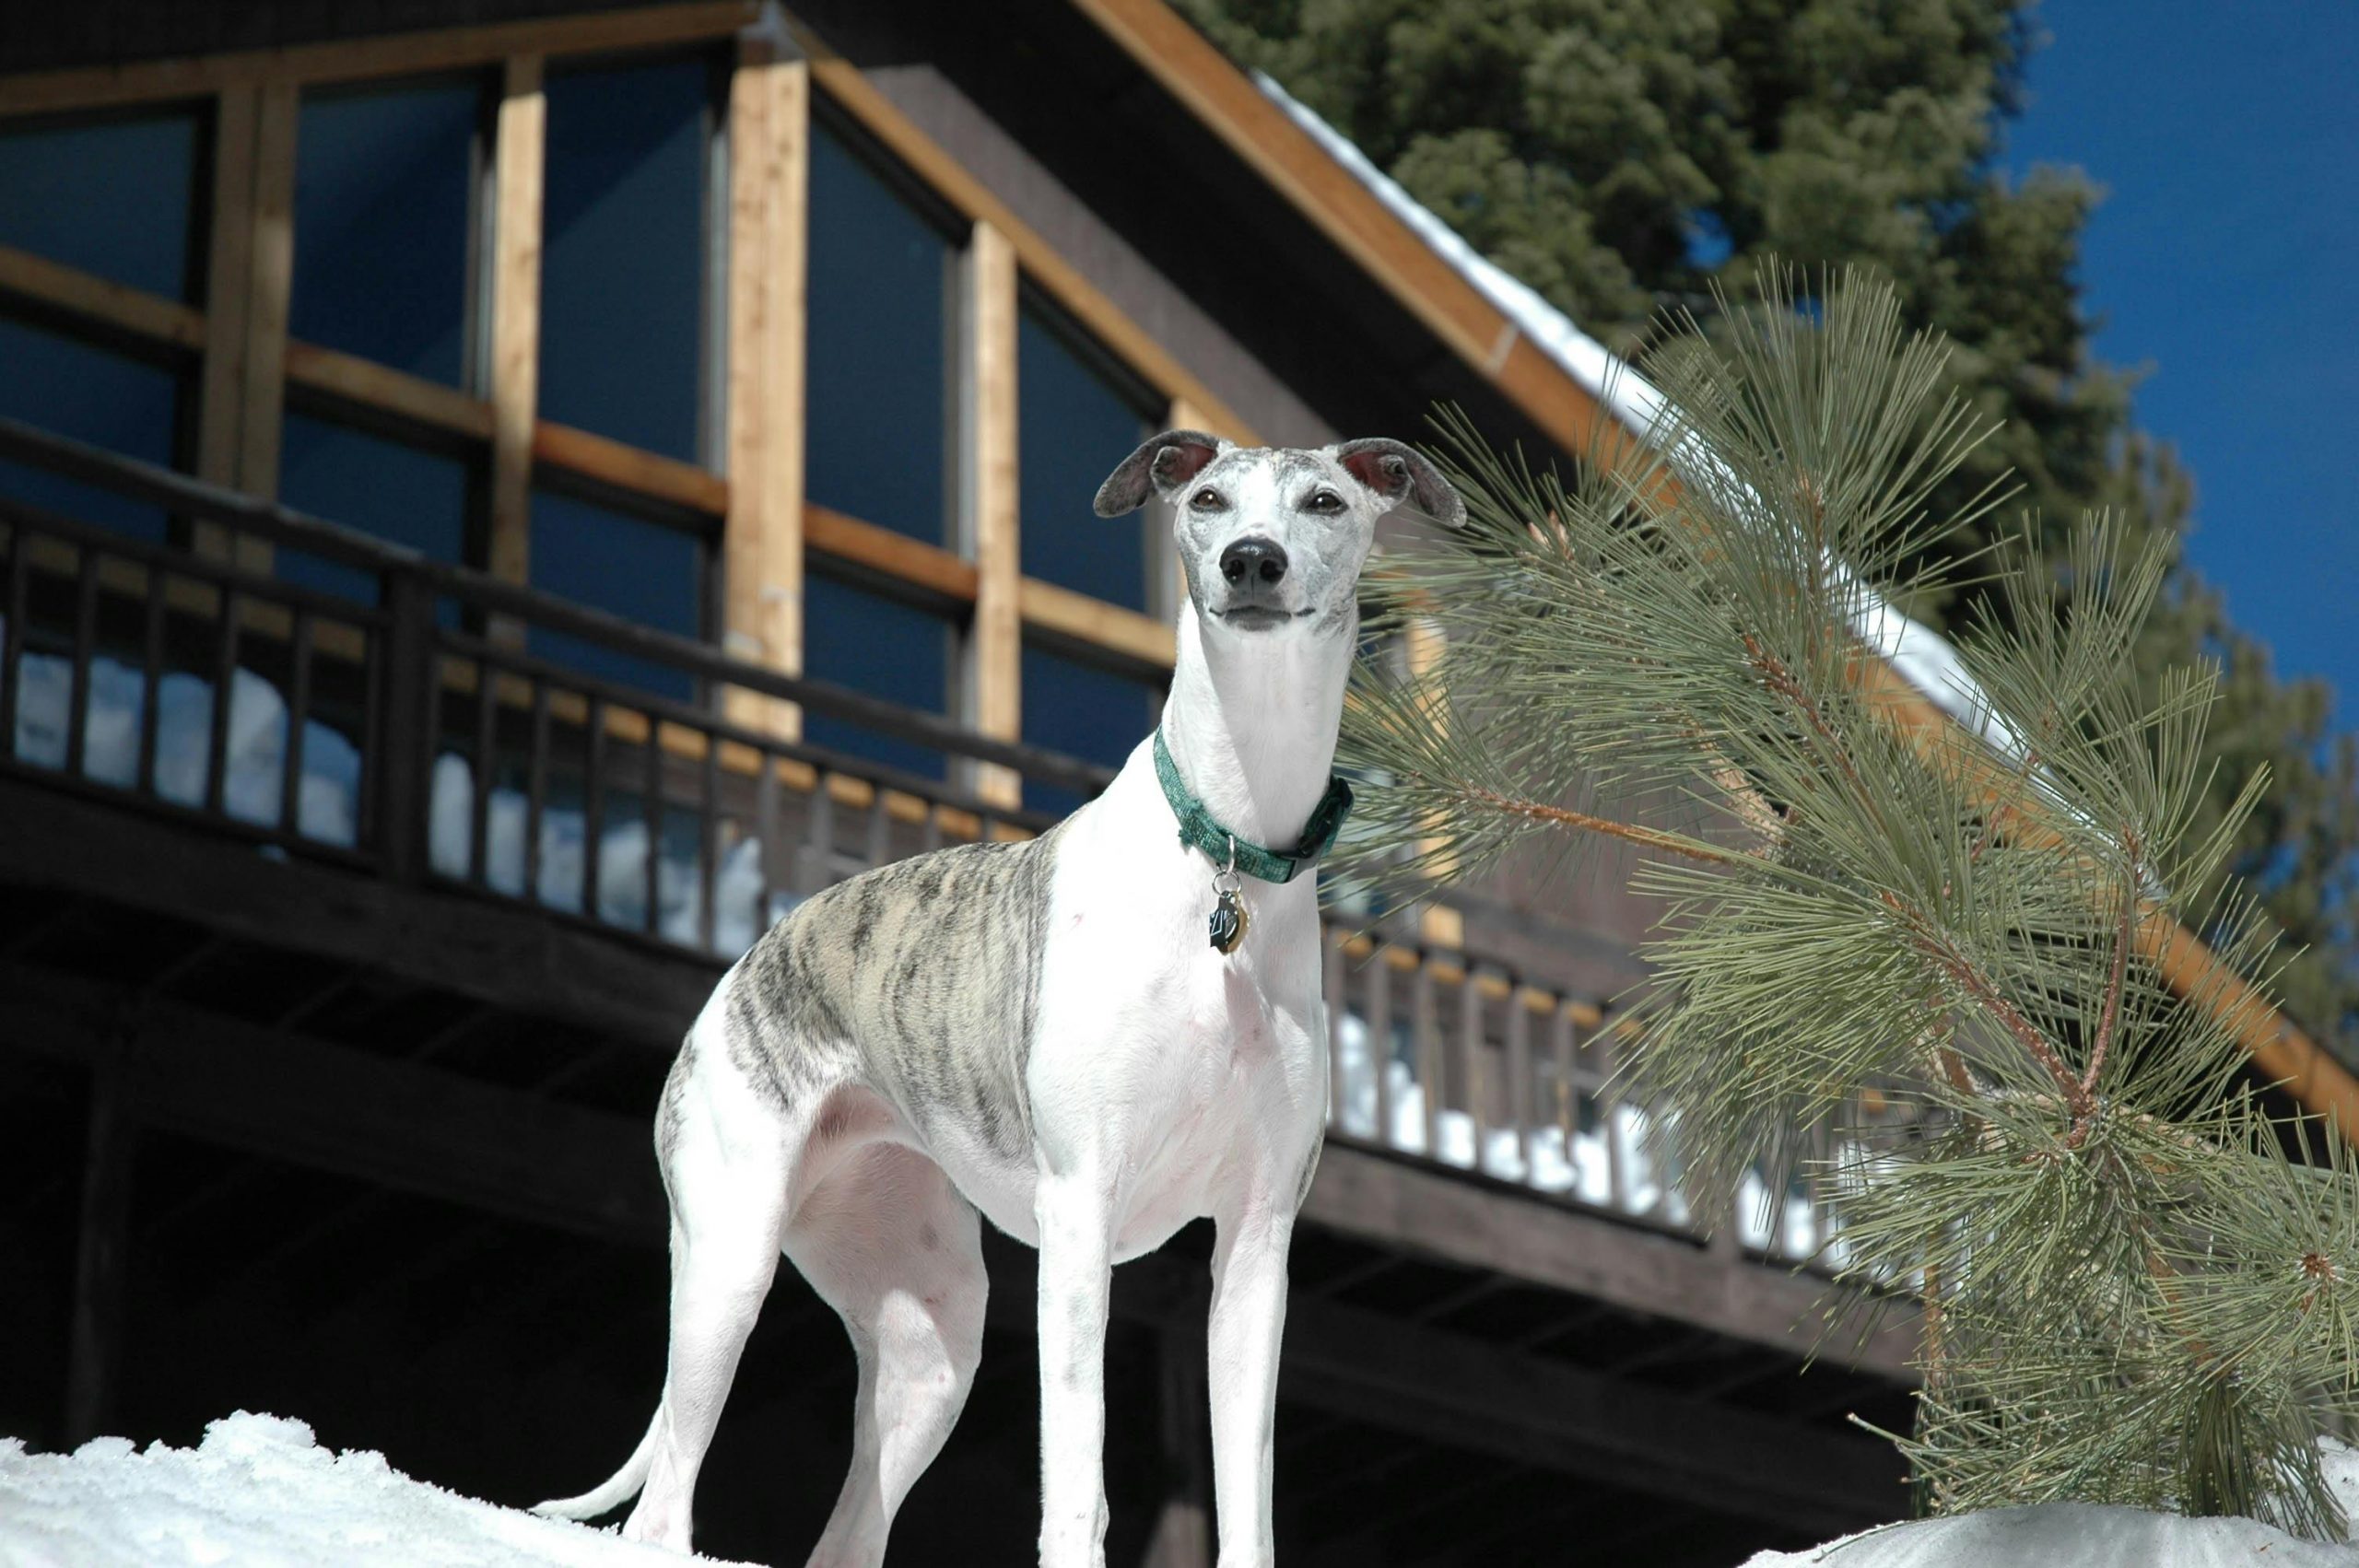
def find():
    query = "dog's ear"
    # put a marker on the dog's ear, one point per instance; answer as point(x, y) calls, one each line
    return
point(1161, 464)
point(1397, 473)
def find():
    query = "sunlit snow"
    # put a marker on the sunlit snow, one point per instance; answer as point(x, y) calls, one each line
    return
point(260, 1493)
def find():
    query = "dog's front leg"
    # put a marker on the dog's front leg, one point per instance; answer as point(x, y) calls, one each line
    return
point(1075, 1216)
point(1248, 1314)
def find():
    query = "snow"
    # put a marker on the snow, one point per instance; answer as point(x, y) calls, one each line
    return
point(2080, 1534)
point(260, 1493)
point(1922, 657)
point(255, 774)
point(2090, 1536)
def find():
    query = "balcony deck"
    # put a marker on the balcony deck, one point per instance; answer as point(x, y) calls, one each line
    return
point(414, 914)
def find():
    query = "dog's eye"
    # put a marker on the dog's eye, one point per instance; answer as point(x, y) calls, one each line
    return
point(1206, 499)
point(1324, 501)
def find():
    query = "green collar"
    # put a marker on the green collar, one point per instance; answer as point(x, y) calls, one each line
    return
point(1199, 831)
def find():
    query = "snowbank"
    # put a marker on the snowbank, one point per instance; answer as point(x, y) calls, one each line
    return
point(259, 1493)
point(2069, 1533)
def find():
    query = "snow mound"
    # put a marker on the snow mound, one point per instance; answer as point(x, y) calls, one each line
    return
point(2080, 1534)
point(260, 1493)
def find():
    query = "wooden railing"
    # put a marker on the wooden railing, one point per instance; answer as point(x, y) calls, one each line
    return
point(438, 726)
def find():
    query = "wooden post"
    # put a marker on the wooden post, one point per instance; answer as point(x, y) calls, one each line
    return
point(95, 1347)
point(515, 337)
point(249, 271)
point(229, 278)
point(762, 535)
point(996, 653)
point(1183, 1530)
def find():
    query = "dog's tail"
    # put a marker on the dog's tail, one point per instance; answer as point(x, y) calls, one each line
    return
point(618, 1486)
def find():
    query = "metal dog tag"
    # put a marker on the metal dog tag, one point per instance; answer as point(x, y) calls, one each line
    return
point(1229, 918)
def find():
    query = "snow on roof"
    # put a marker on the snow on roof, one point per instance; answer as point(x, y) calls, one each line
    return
point(260, 1493)
point(1921, 656)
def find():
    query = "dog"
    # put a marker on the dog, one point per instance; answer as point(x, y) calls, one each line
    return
point(1089, 1039)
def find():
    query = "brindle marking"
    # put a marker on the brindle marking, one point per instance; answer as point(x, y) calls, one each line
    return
point(921, 978)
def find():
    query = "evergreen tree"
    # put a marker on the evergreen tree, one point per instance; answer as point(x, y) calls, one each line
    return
point(1933, 958)
point(1623, 157)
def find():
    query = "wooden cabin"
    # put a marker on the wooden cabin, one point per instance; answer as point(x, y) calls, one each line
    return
point(501, 497)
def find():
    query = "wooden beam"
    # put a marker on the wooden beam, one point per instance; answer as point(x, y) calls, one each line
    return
point(405, 1125)
point(516, 957)
point(1531, 1237)
point(521, 144)
point(762, 533)
point(272, 258)
point(1041, 264)
point(995, 653)
point(387, 390)
point(1182, 1536)
point(938, 571)
point(359, 59)
point(94, 1350)
point(99, 301)
point(221, 403)
point(1532, 1410)
point(625, 467)
point(1178, 58)
point(1142, 640)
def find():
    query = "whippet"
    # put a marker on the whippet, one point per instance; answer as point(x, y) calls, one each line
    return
point(1093, 1038)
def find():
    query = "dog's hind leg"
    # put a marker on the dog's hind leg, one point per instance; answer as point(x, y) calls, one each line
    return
point(729, 1158)
point(892, 1246)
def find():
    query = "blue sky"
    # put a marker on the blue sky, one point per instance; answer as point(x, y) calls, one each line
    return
point(2226, 259)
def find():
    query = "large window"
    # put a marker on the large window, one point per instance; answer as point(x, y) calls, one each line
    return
point(622, 247)
point(111, 196)
point(1078, 417)
point(398, 492)
point(878, 348)
point(645, 571)
point(883, 646)
point(940, 348)
point(385, 203)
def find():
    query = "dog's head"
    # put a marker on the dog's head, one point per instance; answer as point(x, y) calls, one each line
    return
point(1273, 539)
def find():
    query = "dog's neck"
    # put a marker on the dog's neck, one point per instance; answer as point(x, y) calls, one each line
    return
point(1251, 722)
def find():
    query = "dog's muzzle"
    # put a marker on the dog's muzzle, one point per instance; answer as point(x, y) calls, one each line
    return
point(1254, 567)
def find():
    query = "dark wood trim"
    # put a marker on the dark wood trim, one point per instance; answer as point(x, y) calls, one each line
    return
point(1466, 1220)
point(422, 1130)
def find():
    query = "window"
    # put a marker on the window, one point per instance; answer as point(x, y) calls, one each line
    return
point(885, 648)
point(645, 571)
point(115, 197)
point(1074, 425)
point(1087, 712)
point(106, 399)
point(877, 342)
point(623, 240)
point(396, 492)
point(1075, 421)
point(385, 198)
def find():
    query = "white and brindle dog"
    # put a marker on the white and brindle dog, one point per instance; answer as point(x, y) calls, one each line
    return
point(1043, 1032)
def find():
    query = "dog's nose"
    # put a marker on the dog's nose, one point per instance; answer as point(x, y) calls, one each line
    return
point(1253, 562)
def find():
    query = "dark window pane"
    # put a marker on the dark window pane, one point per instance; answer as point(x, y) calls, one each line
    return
point(1072, 428)
point(400, 494)
point(880, 647)
point(73, 390)
point(622, 253)
point(642, 571)
point(1083, 711)
point(115, 197)
point(382, 203)
point(876, 349)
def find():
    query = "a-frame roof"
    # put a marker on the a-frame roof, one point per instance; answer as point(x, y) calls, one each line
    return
point(1536, 364)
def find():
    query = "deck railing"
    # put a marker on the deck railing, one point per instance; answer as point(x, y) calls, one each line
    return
point(323, 694)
